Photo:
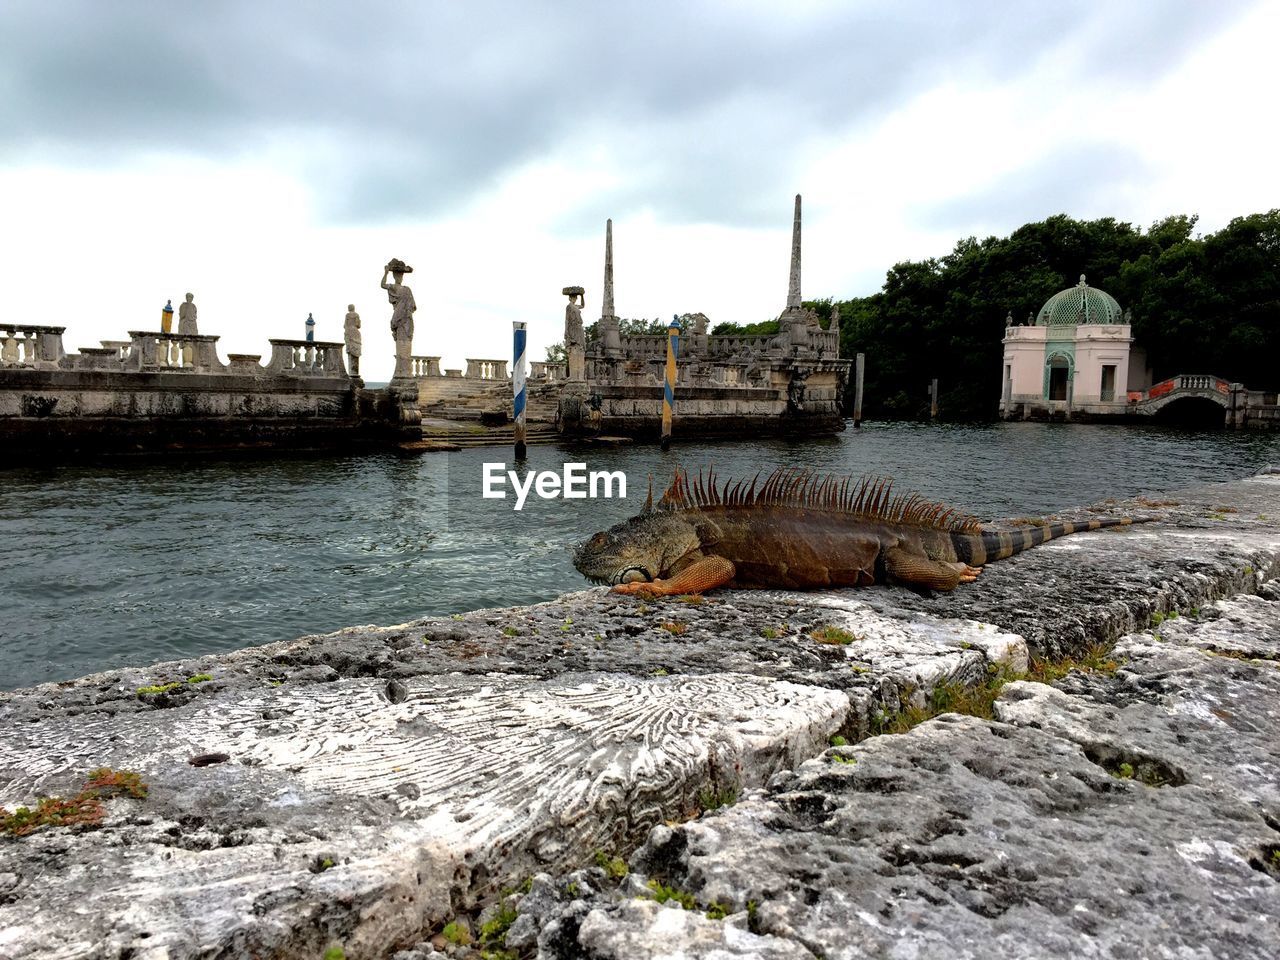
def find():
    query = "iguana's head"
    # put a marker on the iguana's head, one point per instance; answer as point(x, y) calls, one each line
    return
point(642, 548)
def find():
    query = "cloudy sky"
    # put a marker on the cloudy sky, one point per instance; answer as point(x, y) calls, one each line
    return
point(270, 157)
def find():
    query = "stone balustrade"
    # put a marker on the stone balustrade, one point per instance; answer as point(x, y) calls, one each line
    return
point(1201, 382)
point(550, 370)
point(30, 346)
point(754, 345)
point(425, 366)
point(121, 347)
point(307, 358)
point(478, 369)
point(153, 350)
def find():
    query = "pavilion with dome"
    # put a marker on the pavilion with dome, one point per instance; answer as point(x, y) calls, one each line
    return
point(1074, 358)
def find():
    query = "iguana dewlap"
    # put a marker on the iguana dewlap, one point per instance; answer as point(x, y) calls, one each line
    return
point(798, 531)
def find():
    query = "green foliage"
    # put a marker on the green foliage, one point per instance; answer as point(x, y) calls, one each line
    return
point(711, 799)
point(834, 635)
point(838, 741)
point(200, 678)
point(614, 867)
point(335, 953)
point(717, 911)
point(84, 809)
point(765, 328)
point(456, 933)
point(158, 688)
point(1206, 304)
point(663, 894)
point(769, 633)
point(494, 932)
point(510, 632)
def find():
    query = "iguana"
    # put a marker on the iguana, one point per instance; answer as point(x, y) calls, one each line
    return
point(799, 531)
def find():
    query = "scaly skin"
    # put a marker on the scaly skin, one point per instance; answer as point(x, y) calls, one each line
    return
point(800, 533)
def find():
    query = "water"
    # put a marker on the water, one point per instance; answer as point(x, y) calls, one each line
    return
point(127, 565)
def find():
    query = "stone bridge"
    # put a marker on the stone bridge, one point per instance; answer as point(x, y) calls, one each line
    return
point(1184, 387)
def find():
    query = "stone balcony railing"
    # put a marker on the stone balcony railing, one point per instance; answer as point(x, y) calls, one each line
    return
point(30, 346)
point(425, 366)
point(307, 358)
point(478, 369)
point(153, 350)
point(551, 371)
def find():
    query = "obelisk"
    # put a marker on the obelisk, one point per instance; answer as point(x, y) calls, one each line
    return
point(606, 307)
point(793, 289)
point(610, 334)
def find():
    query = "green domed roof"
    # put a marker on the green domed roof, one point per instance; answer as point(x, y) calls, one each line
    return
point(1079, 304)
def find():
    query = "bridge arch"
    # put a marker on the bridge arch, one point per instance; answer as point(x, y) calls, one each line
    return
point(1192, 410)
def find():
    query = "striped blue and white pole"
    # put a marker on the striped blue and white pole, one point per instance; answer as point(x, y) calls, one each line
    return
point(518, 386)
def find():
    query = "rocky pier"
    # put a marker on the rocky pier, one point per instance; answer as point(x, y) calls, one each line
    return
point(1075, 756)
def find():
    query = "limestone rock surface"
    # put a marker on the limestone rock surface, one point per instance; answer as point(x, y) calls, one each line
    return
point(370, 785)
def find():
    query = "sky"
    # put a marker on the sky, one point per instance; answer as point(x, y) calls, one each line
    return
point(271, 157)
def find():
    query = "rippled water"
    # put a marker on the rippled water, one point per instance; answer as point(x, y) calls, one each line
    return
point(107, 566)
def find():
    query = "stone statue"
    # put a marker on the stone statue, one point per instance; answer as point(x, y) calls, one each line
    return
point(402, 308)
point(351, 334)
point(187, 317)
point(575, 341)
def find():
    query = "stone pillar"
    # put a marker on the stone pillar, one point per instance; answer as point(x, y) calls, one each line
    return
point(793, 288)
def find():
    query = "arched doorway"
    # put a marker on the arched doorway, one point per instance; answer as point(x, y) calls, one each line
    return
point(1057, 377)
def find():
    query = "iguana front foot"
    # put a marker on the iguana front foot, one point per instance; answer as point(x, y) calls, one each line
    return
point(700, 576)
point(913, 570)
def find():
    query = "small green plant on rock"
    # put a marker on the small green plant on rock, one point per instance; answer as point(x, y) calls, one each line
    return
point(712, 799)
point(717, 911)
point(839, 758)
point(769, 633)
point(493, 933)
point(833, 635)
point(678, 629)
point(335, 953)
point(200, 678)
point(456, 934)
point(664, 894)
point(84, 809)
point(510, 632)
point(838, 741)
point(158, 688)
point(614, 867)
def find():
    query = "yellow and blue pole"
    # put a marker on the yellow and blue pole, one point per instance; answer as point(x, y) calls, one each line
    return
point(519, 387)
point(669, 381)
point(166, 317)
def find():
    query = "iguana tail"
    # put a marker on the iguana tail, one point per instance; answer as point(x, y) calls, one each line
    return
point(976, 549)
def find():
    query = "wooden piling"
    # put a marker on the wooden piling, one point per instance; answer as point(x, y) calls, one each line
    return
point(859, 369)
point(933, 399)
